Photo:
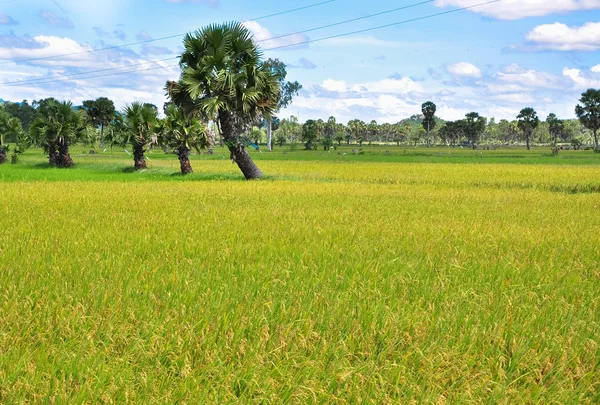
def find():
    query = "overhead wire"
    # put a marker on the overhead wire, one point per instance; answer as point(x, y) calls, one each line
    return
point(155, 39)
point(44, 79)
point(303, 42)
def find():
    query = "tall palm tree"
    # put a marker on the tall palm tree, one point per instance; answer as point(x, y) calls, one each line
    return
point(138, 129)
point(528, 121)
point(588, 112)
point(58, 127)
point(224, 79)
point(182, 133)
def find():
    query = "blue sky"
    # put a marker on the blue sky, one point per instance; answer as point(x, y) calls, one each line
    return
point(494, 59)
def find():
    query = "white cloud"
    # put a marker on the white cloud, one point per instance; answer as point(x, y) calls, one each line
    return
point(463, 69)
point(561, 37)
point(596, 69)
point(263, 37)
point(529, 78)
point(517, 9)
point(335, 85)
point(581, 80)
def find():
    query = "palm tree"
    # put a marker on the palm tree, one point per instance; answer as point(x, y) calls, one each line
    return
point(429, 109)
point(138, 129)
point(225, 80)
point(589, 112)
point(182, 133)
point(528, 122)
point(58, 127)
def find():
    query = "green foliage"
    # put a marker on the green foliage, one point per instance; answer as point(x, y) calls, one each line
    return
point(180, 132)
point(289, 131)
point(100, 111)
point(310, 133)
point(23, 111)
point(588, 111)
point(224, 79)
point(288, 89)
point(429, 123)
point(473, 127)
point(57, 127)
point(528, 121)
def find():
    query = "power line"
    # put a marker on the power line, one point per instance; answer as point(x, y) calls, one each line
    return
point(48, 79)
point(44, 79)
point(158, 39)
point(352, 20)
point(386, 25)
point(318, 39)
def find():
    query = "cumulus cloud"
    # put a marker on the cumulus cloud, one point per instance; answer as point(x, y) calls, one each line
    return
point(7, 20)
point(56, 21)
point(517, 9)
point(582, 80)
point(515, 75)
point(561, 37)
point(463, 69)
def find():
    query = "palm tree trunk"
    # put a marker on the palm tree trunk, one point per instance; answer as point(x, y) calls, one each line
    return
point(53, 156)
point(239, 155)
point(64, 158)
point(596, 137)
point(527, 140)
point(269, 134)
point(184, 161)
point(138, 157)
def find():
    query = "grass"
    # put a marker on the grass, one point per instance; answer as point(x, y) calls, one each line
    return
point(333, 281)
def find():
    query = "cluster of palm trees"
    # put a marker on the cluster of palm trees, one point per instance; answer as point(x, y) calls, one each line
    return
point(224, 80)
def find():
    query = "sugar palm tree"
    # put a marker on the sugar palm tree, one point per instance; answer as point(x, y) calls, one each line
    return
point(138, 130)
point(528, 121)
point(588, 112)
point(224, 79)
point(58, 127)
point(182, 133)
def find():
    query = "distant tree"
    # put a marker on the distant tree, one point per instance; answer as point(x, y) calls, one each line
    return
point(357, 129)
point(287, 92)
point(23, 111)
point(100, 113)
point(330, 127)
point(528, 122)
point(58, 126)
point(21, 138)
point(257, 135)
point(339, 137)
point(289, 130)
point(310, 133)
point(373, 131)
point(140, 121)
point(182, 133)
point(327, 142)
point(588, 112)
point(10, 131)
point(429, 109)
point(453, 131)
point(555, 126)
point(474, 125)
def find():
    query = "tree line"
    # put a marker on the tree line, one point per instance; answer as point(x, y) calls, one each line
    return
point(427, 129)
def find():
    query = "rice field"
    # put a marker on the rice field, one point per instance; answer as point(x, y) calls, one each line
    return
point(415, 278)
